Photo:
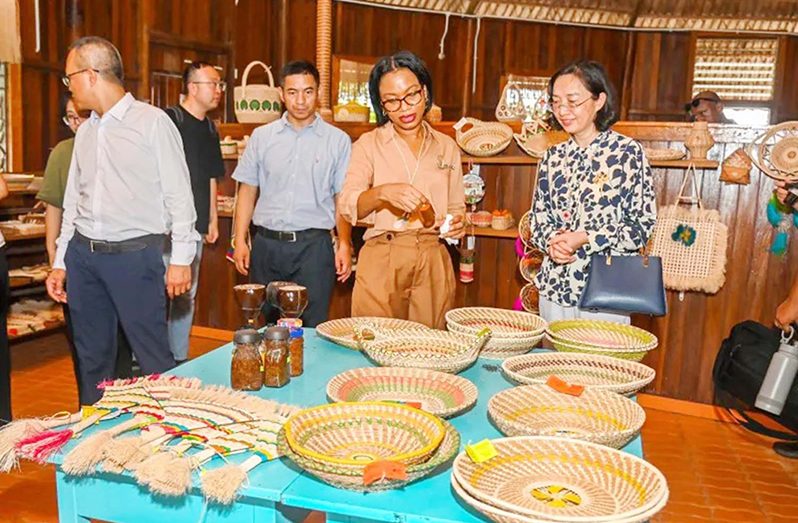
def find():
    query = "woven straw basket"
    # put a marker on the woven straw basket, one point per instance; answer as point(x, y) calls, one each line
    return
point(530, 263)
point(599, 416)
point(512, 332)
point(601, 337)
point(352, 478)
point(438, 393)
point(564, 480)
point(589, 370)
point(525, 230)
point(483, 138)
point(342, 331)
point(663, 155)
point(351, 435)
point(426, 349)
point(257, 103)
point(530, 298)
point(535, 144)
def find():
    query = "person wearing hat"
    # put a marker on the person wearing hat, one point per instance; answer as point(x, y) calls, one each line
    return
point(707, 106)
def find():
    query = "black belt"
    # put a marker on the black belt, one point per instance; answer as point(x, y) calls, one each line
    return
point(292, 236)
point(131, 245)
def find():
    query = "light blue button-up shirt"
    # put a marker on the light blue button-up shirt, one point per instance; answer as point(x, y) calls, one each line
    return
point(299, 172)
point(128, 178)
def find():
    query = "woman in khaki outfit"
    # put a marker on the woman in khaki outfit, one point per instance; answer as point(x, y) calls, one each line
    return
point(395, 173)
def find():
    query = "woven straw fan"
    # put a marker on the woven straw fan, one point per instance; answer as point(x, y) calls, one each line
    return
point(119, 397)
point(82, 459)
point(185, 409)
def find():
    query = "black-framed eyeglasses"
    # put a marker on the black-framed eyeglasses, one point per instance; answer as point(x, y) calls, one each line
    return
point(221, 85)
point(392, 105)
point(72, 119)
point(67, 78)
point(570, 105)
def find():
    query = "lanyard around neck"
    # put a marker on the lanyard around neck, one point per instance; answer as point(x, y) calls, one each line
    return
point(411, 176)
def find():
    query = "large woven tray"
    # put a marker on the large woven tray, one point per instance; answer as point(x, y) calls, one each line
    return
point(484, 138)
point(538, 410)
point(352, 478)
point(563, 480)
point(589, 370)
point(426, 349)
point(601, 334)
point(342, 331)
point(625, 354)
point(438, 393)
point(355, 434)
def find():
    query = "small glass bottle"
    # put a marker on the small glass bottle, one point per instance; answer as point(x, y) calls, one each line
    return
point(296, 348)
point(274, 347)
point(246, 366)
point(427, 215)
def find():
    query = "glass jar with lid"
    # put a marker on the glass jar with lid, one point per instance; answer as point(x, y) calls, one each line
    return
point(274, 347)
point(246, 366)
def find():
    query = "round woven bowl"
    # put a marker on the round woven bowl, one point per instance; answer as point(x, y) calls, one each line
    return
point(512, 332)
point(355, 434)
point(342, 331)
point(589, 370)
point(525, 230)
point(564, 480)
point(352, 478)
point(599, 416)
point(663, 155)
point(624, 354)
point(438, 393)
point(427, 349)
point(530, 298)
point(484, 138)
point(603, 334)
point(529, 264)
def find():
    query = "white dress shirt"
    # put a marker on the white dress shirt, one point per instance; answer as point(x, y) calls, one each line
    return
point(128, 178)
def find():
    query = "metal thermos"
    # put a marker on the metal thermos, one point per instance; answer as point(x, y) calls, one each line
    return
point(779, 377)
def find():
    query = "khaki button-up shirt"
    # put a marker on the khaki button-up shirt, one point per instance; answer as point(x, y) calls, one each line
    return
point(377, 159)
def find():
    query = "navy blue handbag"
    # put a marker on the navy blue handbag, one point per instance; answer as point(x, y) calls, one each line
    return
point(625, 284)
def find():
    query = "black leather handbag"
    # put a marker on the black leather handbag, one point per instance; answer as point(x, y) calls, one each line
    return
point(625, 284)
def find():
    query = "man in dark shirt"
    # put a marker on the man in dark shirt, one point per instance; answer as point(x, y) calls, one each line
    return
point(203, 88)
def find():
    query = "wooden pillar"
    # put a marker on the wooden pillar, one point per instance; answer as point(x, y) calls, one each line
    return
point(282, 43)
point(324, 54)
point(145, 19)
point(74, 20)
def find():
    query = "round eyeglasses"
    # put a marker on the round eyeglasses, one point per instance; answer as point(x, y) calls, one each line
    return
point(67, 78)
point(392, 105)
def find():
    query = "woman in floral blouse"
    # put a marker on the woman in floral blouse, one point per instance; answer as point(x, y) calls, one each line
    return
point(595, 192)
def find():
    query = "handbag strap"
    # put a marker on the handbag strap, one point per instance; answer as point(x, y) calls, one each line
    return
point(690, 174)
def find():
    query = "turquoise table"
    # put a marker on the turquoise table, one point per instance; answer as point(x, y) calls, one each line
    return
point(278, 491)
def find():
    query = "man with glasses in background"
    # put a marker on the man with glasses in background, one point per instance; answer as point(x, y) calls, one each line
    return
point(202, 89)
point(706, 106)
point(298, 163)
point(52, 194)
point(128, 187)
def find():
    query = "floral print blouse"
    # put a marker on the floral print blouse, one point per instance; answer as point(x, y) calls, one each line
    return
point(605, 189)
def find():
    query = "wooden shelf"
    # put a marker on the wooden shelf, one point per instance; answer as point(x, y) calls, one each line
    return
point(684, 164)
point(17, 283)
point(516, 159)
point(49, 328)
point(11, 236)
point(512, 232)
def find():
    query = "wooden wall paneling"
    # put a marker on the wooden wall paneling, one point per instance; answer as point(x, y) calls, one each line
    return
point(255, 38)
point(661, 76)
point(786, 89)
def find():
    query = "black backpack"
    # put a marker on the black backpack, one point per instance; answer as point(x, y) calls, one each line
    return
point(739, 370)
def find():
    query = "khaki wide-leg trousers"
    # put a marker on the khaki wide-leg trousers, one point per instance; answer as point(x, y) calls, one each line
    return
point(405, 275)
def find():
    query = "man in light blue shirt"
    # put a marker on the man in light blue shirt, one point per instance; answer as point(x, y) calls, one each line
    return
point(128, 186)
point(298, 163)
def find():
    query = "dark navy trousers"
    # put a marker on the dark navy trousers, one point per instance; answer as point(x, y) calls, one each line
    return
point(107, 290)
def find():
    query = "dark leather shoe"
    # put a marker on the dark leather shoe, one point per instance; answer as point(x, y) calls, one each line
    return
point(788, 449)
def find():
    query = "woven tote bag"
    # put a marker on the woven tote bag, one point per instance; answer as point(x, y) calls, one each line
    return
point(691, 242)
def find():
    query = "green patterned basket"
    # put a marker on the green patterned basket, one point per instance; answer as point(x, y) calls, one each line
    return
point(436, 392)
point(601, 337)
point(352, 479)
point(353, 434)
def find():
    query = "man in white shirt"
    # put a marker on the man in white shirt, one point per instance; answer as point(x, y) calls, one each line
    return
point(128, 187)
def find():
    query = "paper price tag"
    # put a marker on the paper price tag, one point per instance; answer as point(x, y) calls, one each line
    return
point(482, 451)
point(88, 411)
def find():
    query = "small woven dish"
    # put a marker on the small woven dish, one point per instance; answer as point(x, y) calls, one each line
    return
point(484, 138)
point(663, 155)
point(438, 393)
point(599, 416)
point(352, 479)
point(512, 332)
point(525, 229)
point(351, 435)
point(588, 370)
point(342, 331)
point(530, 298)
point(502, 223)
point(535, 144)
point(557, 479)
point(530, 263)
point(425, 349)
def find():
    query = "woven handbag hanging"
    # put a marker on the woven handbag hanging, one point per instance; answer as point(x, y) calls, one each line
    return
point(691, 242)
point(506, 110)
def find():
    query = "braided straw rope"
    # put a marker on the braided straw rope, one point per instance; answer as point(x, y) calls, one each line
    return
point(599, 416)
point(342, 331)
point(484, 138)
point(565, 480)
point(438, 393)
point(589, 370)
point(426, 349)
point(351, 435)
point(352, 478)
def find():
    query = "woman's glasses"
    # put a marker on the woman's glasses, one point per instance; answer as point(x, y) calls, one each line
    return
point(392, 105)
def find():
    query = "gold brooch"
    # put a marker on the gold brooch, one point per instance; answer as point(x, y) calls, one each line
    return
point(443, 165)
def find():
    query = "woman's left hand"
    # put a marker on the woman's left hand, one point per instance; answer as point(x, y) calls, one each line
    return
point(456, 227)
point(563, 246)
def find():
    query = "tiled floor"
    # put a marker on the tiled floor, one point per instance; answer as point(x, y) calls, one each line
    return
point(716, 471)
